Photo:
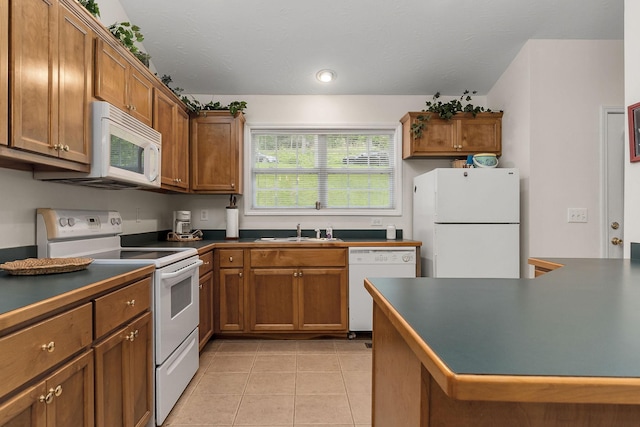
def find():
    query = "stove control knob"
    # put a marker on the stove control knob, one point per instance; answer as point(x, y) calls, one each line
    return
point(72, 222)
point(113, 221)
point(63, 222)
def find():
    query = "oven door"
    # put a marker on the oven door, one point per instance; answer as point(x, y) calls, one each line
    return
point(176, 305)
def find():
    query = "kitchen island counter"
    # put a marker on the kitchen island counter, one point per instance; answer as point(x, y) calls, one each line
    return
point(25, 298)
point(562, 349)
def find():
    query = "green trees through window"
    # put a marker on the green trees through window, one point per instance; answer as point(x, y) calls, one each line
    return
point(326, 169)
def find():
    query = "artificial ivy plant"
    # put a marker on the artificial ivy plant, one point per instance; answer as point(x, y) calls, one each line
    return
point(196, 106)
point(91, 6)
point(128, 34)
point(445, 110)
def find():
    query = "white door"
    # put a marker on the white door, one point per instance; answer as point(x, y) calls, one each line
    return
point(613, 186)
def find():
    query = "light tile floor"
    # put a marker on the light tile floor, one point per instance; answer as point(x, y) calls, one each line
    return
point(278, 383)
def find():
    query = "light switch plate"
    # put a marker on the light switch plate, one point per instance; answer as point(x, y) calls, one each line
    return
point(577, 215)
point(204, 215)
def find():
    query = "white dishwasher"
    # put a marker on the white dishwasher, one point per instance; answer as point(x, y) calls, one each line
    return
point(374, 262)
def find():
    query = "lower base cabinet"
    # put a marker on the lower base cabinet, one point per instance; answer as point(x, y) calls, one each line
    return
point(65, 398)
point(205, 327)
point(231, 299)
point(298, 299)
point(297, 290)
point(123, 376)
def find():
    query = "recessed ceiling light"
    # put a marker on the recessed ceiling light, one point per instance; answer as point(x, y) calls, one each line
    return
point(326, 76)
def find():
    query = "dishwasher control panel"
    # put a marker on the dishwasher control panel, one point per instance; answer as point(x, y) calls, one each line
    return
point(382, 256)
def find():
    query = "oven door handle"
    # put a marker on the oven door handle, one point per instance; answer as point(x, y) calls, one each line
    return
point(181, 271)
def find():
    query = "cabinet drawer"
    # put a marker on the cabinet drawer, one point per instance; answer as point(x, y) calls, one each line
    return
point(33, 350)
point(231, 258)
point(207, 263)
point(299, 257)
point(116, 308)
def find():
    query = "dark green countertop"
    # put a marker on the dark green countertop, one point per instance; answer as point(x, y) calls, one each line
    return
point(24, 296)
point(581, 320)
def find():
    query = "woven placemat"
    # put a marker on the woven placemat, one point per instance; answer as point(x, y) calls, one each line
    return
point(35, 266)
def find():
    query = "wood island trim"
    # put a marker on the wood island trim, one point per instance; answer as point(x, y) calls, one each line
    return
point(508, 388)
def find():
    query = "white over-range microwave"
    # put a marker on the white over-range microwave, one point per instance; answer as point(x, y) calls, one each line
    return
point(125, 153)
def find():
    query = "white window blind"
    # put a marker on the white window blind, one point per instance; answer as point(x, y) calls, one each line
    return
point(307, 169)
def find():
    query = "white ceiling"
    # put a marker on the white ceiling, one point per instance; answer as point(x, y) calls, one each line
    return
point(377, 47)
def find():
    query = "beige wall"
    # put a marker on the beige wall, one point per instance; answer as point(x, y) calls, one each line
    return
point(553, 93)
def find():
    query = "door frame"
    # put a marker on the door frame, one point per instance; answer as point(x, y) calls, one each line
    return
point(604, 113)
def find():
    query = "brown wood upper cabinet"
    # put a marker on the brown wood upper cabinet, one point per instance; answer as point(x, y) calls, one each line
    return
point(216, 152)
point(4, 73)
point(461, 135)
point(120, 83)
point(173, 123)
point(51, 48)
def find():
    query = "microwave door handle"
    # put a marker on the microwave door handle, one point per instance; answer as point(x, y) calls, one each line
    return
point(183, 270)
point(154, 162)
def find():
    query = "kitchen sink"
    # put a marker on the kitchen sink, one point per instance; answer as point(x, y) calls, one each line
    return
point(295, 239)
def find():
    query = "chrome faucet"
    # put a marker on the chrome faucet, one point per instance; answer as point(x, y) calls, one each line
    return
point(299, 231)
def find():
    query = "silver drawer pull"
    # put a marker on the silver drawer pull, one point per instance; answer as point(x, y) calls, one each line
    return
point(48, 347)
point(230, 259)
point(131, 303)
point(57, 391)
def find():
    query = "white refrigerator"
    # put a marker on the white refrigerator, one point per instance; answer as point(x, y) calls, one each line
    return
point(468, 220)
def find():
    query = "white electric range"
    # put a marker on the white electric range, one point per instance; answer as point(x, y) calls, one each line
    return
point(95, 234)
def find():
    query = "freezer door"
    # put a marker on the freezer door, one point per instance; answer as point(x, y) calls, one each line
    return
point(476, 250)
point(477, 196)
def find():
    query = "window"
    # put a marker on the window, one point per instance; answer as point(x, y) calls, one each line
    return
point(341, 171)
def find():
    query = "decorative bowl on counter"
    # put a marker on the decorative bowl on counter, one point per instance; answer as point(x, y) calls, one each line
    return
point(485, 160)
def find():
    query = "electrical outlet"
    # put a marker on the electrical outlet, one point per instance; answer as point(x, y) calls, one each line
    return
point(376, 222)
point(137, 214)
point(204, 215)
point(577, 215)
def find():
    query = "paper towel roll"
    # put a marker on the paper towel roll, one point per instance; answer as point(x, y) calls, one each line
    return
point(232, 222)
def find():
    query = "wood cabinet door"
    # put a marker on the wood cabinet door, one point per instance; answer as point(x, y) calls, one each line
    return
point(75, 80)
point(111, 378)
point(273, 299)
point(181, 157)
point(71, 390)
point(140, 370)
point(164, 122)
point(439, 136)
point(65, 398)
point(231, 299)
point(111, 75)
point(34, 75)
point(4, 73)
point(173, 124)
point(124, 369)
point(323, 299)
point(140, 96)
point(25, 409)
point(481, 135)
point(216, 153)
point(205, 328)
